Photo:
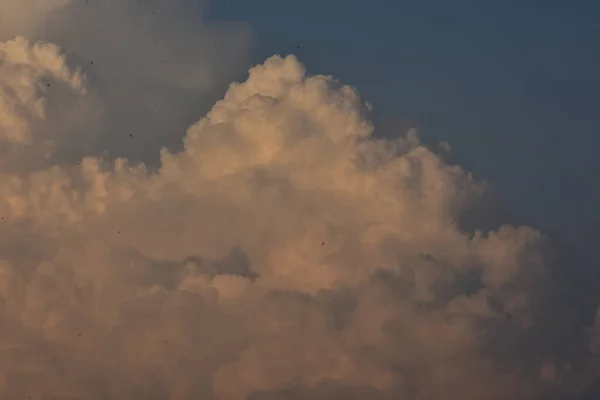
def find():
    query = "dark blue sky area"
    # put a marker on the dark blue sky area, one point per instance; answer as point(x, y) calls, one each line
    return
point(514, 88)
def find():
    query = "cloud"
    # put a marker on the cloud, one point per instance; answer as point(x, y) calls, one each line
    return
point(26, 18)
point(284, 252)
point(156, 64)
point(47, 112)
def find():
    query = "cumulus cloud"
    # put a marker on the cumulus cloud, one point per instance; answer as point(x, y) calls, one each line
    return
point(156, 64)
point(285, 252)
point(48, 115)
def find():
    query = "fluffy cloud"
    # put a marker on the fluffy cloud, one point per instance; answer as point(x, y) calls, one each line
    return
point(156, 64)
point(47, 113)
point(283, 253)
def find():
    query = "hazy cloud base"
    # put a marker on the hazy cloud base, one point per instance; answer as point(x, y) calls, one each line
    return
point(283, 253)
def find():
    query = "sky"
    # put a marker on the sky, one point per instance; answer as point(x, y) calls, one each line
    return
point(499, 81)
point(250, 201)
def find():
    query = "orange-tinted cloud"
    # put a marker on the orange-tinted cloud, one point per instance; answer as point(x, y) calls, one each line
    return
point(283, 253)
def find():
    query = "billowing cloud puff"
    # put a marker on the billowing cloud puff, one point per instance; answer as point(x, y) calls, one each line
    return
point(283, 253)
point(47, 114)
point(156, 64)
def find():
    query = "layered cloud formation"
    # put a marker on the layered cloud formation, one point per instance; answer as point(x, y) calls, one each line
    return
point(283, 253)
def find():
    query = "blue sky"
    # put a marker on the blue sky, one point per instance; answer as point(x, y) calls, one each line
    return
point(513, 87)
